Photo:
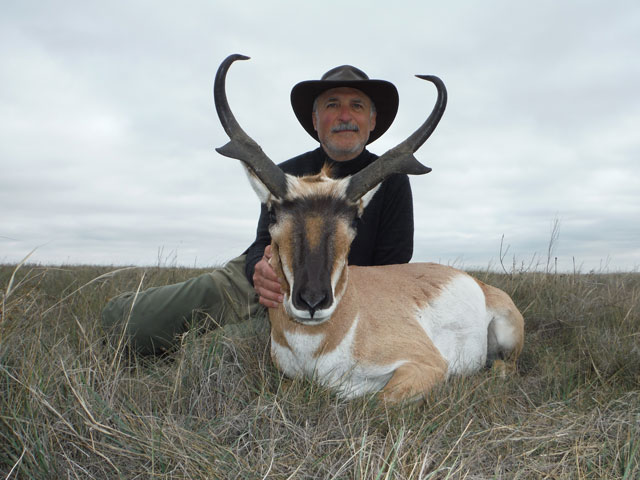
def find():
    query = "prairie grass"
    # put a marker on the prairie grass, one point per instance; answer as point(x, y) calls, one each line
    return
point(75, 406)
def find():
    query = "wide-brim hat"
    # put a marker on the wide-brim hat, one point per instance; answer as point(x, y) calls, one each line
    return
point(383, 94)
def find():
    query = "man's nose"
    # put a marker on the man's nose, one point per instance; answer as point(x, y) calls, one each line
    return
point(344, 114)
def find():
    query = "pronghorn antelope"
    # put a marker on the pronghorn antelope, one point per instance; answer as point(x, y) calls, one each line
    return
point(398, 329)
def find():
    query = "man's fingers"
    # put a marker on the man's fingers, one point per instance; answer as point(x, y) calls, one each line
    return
point(266, 282)
point(267, 279)
point(269, 297)
point(270, 290)
point(268, 274)
point(268, 303)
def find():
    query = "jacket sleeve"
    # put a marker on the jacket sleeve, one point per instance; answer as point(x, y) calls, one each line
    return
point(394, 243)
point(256, 250)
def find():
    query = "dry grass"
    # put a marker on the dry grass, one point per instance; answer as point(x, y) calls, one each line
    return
point(72, 406)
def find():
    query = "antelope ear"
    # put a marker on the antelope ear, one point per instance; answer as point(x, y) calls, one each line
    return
point(260, 188)
point(365, 199)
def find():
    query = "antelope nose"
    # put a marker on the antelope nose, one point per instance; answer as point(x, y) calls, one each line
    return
point(311, 300)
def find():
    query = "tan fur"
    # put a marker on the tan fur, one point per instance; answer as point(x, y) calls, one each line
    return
point(314, 227)
point(413, 380)
point(280, 322)
point(342, 244)
point(390, 345)
point(405, 293)
point(277, 254)
point(391, 332)
point(319, 184)
point(501, 303)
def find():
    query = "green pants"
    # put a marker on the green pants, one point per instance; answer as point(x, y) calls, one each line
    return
point(151, 320)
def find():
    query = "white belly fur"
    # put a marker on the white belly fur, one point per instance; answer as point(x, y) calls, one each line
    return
point(337, 369)
point(457, 322)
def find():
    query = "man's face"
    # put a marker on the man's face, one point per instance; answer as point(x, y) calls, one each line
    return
point(344, 118)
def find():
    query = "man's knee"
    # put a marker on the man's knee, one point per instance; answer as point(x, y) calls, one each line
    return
point(124, 328)
point(152, 320)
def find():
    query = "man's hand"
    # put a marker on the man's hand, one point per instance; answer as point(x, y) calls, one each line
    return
point(266, 283)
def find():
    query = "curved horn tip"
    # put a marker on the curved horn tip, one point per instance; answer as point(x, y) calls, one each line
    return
point(237, 56)
point(430, 78)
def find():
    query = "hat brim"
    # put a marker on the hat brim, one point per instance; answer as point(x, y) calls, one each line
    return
point(383, 94)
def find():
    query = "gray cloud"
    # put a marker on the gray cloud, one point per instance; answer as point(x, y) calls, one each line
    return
point(107, 125)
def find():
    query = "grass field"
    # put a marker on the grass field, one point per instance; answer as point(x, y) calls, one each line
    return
point(72, 406)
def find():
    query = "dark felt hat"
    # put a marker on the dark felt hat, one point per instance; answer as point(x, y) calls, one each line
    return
point(382, 93)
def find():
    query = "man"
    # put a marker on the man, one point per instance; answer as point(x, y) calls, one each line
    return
point(344, 111)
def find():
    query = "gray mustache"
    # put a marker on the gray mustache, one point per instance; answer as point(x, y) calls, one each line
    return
point(352, 127)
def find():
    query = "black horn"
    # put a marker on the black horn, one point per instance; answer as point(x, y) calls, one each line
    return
point(242, 146)
point(400, 159)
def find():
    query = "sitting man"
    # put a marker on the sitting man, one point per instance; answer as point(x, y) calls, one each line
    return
point(344, 111)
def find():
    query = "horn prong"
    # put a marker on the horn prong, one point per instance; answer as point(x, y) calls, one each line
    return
point(400, 159)
point(242, 147)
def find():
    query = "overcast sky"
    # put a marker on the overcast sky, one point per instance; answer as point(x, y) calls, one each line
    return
point(107, 124)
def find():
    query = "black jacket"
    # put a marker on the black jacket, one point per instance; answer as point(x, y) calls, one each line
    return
point(385, 231)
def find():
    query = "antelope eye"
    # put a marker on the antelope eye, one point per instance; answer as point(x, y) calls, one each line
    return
point(272, 217)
